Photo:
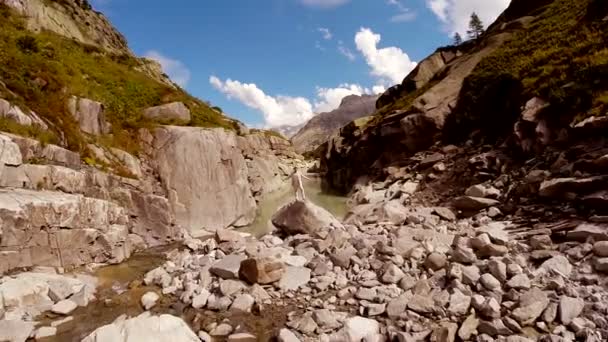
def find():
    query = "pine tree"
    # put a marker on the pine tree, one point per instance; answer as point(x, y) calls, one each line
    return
point(457, 39)
point(476, 27)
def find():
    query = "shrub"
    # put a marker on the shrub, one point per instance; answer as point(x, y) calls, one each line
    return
point(27, 44)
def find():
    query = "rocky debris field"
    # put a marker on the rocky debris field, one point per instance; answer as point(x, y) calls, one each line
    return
point(408, 263)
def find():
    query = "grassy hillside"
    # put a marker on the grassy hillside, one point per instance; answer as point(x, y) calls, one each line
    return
point(43, 70)
point(562, 57)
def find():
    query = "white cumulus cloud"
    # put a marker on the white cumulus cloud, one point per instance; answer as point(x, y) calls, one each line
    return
point(324, 3)
point(390, 65)
point(283, 110)
point(455, 14)
point(175, 69)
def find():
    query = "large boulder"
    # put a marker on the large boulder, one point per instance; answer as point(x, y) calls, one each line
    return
point(144, 327)
point(58, 229)
point(89, 114)
point(9, 152)
point(205, 175)
point(304, 217)
point(175, 111)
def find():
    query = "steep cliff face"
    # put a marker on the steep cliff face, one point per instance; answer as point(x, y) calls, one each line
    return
point(316, 131)
point(73, 19)
point(484, 86)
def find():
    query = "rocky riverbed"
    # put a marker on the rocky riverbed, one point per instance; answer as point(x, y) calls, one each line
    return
point(394, 269)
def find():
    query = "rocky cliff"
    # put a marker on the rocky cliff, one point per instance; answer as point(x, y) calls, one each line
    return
point(91, 171)
point(499, 86)
point(316, 131)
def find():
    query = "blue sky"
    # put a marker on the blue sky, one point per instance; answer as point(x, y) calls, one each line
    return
point(274, 62)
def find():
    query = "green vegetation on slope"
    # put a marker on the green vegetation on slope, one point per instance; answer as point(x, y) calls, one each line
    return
point(561, 57)
point(45, 69)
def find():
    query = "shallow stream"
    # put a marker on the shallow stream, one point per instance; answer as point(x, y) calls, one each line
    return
point(120, 286)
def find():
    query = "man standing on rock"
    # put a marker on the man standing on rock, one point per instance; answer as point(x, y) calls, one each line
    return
point(298, 187)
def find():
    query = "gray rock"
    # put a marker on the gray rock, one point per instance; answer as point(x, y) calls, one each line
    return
point(464, 255)
point(570, 308)
point(293, 278)
point(89, 114)
point(490, 282)
point(204, 336)
point(304, 217)
point(498, 269)
point(44, 332)
point(550, 313)
point(396, 307)
point(435, 261)
point(468, 328)
point(175, 111)
point(149, 299)
point(491, 308)
point(446, 332)
point(470, 275)
point(242, 337)
point(228, 267)
point(326, 319)
point(341, 257)
point(199, 301)
point(10, 154)
point(600, 249)
point(519, 282)
point(243, 302)
point(286, 335)
point(306, 324)
point(229, 287)
point(144, 327)
point(559, 265)
point(359, 328)
point(445, 213)
point(422, 304)
point(496, 231)
point(531, 305)
point(601, 265)
point(227, 200)
point(407, 282)
point(541, 242)
point(586, 230)
point(64, 307)
point(459, 303)
point(468, 203)
point(512, 324)
point(223, 329)
point(15, 330)
point(493, 328)
point(392, 274)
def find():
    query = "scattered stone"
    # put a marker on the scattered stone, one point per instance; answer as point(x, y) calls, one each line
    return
point(531, 305)
point(519, 282)
point(470, 275)
point(559, 265)
point(498, 269)
point(229, 287)
point(494, 328)
point(541, 242)
point(243, 302)
point(392, 274)
point(422, 304)
point(601, 265)
point(445, 213)
point(293, 278)
point(144, 327)
point(459, 303)
point(491, 308)
point(588, 230)
point(261, 270)
point(228, 267)
point(496, 231)
point(601, 249)
point(242, 337)
point(359, 328)
point(64, 307)
point(468, 203)
point(15, 330)
point(435, 261)
point(199, 301)
point(468, 328)
point(464, 255)
point(149, 299)
point(570, 308)
point(490, 282)
point(44, 332)
point(223, 329)
point(286, 335)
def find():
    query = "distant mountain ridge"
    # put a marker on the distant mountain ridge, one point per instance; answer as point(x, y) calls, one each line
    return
point(318, 129)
